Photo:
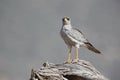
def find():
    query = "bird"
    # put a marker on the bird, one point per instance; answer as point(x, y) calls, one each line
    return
point(73, 37)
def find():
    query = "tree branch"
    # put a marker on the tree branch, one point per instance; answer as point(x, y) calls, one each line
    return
point(81, 70)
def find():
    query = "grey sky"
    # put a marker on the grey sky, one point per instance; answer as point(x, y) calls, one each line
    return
point(29, 34)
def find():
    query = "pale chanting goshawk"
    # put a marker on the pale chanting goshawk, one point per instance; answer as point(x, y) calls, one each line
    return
point(74, 37)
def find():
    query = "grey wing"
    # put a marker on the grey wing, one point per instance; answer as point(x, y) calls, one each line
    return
point(76, 34)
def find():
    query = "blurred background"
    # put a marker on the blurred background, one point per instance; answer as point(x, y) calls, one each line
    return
point(29, 34)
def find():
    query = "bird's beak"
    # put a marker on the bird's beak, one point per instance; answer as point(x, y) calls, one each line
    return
point(65, 19)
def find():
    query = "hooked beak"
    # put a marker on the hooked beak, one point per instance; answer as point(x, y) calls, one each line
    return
point(66, 20)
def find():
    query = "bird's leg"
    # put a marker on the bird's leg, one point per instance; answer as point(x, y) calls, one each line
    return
point(69, 56)
point(76, 56)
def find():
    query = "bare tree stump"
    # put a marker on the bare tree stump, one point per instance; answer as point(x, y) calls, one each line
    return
point(81, 70)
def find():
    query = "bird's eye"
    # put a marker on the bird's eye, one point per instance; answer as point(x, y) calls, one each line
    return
point(68, 19)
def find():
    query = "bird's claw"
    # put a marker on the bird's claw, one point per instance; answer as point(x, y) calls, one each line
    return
point(68, 61)
point(75, 60)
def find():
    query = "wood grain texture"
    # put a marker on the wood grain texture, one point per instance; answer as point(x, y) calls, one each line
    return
point(81, 70)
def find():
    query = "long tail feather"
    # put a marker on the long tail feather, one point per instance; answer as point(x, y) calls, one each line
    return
point(92, 48)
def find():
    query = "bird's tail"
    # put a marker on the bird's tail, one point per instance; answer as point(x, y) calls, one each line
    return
point(92, 48)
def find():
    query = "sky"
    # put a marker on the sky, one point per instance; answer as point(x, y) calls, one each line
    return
point(29, 34)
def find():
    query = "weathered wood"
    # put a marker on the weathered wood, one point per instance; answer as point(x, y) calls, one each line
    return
point(81, 70)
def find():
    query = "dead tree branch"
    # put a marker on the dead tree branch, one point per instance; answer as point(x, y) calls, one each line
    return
point(82, 70)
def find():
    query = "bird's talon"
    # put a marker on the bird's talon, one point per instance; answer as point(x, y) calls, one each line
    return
point(67, 61)
point(75, 60)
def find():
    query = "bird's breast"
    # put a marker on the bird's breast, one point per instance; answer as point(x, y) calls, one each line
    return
point(66, 38)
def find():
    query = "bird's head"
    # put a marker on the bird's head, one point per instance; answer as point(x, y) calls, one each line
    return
point(66, 21)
